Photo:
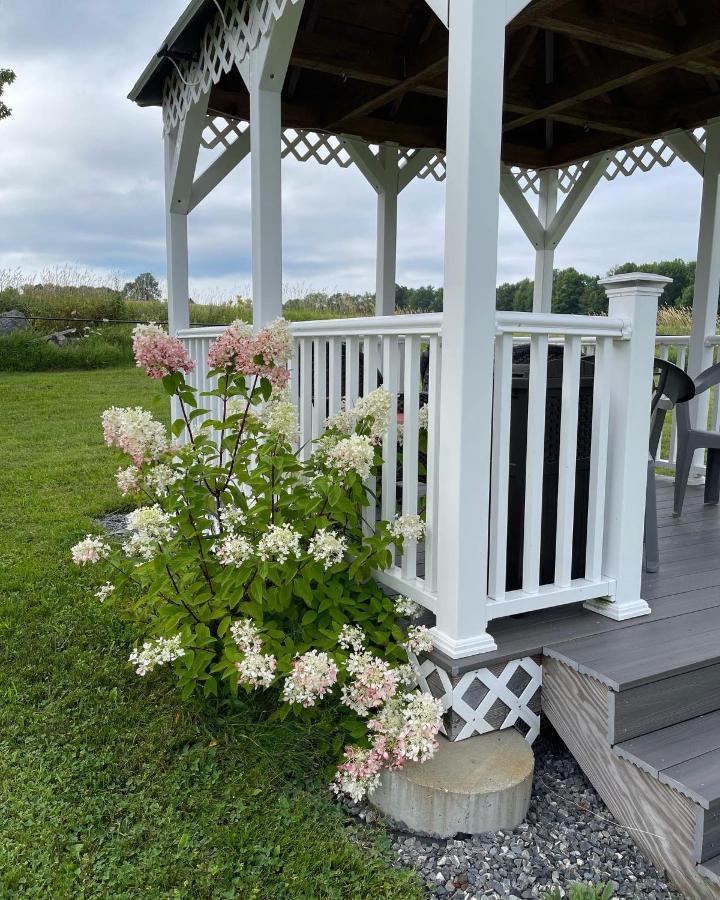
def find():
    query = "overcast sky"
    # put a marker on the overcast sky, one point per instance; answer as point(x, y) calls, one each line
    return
point(81, 178)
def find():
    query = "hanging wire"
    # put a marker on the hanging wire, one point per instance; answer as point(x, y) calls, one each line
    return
point(181, 76)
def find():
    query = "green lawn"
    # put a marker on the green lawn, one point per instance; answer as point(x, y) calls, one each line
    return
point(109, 785)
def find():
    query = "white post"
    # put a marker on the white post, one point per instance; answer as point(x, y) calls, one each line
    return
point(545, 255)
point(474, 133)
point(264, 76)
point(176, 226)
point(633, 297)
point(387, 213)
point(266, 202)
point(707, 275)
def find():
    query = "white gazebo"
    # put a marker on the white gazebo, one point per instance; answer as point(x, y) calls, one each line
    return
point(526, 100)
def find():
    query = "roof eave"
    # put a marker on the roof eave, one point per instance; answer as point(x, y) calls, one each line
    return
point(152, 68)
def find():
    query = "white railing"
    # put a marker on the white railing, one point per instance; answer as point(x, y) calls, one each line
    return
point(535, 488)
point(550, 494)
point(344, 359)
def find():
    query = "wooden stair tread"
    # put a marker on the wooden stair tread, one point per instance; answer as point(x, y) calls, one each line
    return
point(697, 778)
point(711, 869)
point(634, 656)
point(673, 745)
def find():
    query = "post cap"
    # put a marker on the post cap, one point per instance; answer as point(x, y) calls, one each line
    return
point(638, 281)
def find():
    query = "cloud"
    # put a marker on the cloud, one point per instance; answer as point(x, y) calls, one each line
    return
point(81, 179)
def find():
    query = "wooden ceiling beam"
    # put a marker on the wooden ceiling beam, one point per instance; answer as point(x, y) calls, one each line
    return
point(427, 71)
point(624, 73)
point(603, 32)
point(628, 123)
point(531, 13)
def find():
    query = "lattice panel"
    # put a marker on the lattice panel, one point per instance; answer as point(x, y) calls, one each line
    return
point(526, 179)
point(644, 158)
point(485, 700)
point(569, 175)
point(220, 131)
point(228, 39)
point(323, 148)
point(434, 168)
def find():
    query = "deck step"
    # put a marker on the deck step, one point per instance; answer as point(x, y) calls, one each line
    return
point(711, 869)
point(659, 674)
point(686, 757)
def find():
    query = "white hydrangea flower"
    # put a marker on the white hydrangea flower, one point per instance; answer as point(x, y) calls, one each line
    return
point(312, 676)
point(136, 432)
point(128, 480)
point(352, 637)
point(279, 543)
point(104, 592)
point(233, 550)
point(280, 416)
point(375, 407)
point(327, 548)
point(245, 634)
point(256, 669)
point(151, 526)
point(352, 454)
point(409, 528)
point(156, 653)
point(407, 608)
point(232, 518)
point(161, 477)
point(418, 640)
point(90, 550)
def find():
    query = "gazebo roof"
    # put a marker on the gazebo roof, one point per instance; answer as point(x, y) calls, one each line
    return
point(578, 82)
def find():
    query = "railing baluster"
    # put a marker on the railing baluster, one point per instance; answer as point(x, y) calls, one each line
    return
point(352, 369)
point(319, 413)
point(370, 364)
point(535, 463)
point(335, 371)
point(431, 466)
point(410, 448)
point(502, 404)
point(568, 461)
point(389, 469)
point(598, 460)
point(306, 411)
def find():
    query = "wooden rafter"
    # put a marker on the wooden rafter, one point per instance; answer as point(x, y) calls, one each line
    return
point(437, 67)
point(624, 38)
point(627, 72)
point(532, 12)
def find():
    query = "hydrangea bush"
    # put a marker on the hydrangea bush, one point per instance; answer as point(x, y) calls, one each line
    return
point(247, 562)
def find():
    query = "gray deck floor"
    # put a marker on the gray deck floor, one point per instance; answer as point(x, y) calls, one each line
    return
point(686, 589)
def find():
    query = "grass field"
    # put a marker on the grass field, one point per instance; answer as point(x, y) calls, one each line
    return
point(109, 785)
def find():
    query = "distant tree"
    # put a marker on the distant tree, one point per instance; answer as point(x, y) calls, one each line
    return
point(523, 297)
point(505, 295)
point(593, 300)
point(144, 287)
point(568, 288)
point(7, 76)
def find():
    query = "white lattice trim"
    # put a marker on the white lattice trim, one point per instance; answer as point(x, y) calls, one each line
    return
point(434, 168)
point(226, 43)
point(498, 691)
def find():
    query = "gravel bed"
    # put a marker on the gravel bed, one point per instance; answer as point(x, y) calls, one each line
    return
point(568, 836)
point(114, 523)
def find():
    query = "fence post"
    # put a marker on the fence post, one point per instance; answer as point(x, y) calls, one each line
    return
point(634, 298)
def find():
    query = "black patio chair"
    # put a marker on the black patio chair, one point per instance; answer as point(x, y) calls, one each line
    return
point(672, 388)
point(690, 439)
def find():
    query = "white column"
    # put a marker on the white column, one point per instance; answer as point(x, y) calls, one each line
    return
point(266, 202)
point(545, 255)
point(264, 75)
point(387, 213)
point(633, 297)
point(474, 133)
point(707, 275)
point(176, 228)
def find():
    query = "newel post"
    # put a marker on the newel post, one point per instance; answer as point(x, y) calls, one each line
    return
point(634, 298)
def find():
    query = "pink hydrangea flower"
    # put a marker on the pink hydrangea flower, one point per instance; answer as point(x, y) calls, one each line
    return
point(158, 352)
point(265, 354)
point(374, 683)
point(312, 676)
